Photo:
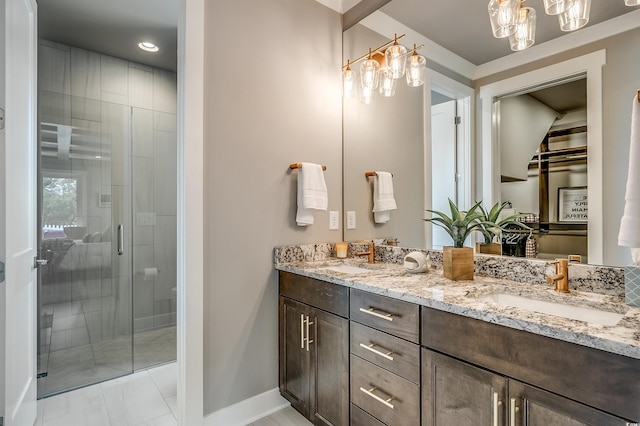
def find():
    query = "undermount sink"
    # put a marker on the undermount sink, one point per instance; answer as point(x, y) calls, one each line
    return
point(346, 269)
point(582, 313)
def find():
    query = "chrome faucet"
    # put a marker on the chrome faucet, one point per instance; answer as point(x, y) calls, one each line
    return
point(370, 253)
point(561, 277)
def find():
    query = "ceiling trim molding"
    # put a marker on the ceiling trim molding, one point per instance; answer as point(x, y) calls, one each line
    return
point(388, 27)
point(626, 22)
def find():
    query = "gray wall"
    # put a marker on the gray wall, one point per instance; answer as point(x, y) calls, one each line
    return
point(621, 80)
point(272, 97)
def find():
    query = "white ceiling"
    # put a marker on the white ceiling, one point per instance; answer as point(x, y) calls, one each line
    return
point(115, 27)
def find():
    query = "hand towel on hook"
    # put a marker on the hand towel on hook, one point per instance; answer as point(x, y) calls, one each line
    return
point(312, 193)
point(383, 199)
point(629, 234)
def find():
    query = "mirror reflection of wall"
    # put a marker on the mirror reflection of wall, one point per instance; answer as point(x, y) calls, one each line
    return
point(543, 158)
point(387, 135)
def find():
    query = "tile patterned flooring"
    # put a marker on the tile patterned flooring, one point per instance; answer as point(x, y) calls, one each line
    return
point(145, 398)
point(75, 351)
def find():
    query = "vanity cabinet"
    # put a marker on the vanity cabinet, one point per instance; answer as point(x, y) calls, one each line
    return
point(502, 376)
point(385, 360)
point(314, 348)
point(456, 392)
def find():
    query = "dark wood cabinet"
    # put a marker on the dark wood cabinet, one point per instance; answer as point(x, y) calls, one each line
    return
point(456, 393)
point(530, 406)
point(314, 361)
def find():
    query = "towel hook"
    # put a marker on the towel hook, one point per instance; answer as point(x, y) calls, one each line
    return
point(369, 174)
point(294, 166)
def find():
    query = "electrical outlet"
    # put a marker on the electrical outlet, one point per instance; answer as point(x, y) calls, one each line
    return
point(334, 220)
point(351, 220)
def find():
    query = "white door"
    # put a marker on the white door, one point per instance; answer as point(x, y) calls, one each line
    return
point(18, 210)
point(443, 167)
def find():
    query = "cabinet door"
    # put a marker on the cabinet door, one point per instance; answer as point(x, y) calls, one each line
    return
point(531, 406)
point(457, 393)
point(295, 369)
point(330, 360)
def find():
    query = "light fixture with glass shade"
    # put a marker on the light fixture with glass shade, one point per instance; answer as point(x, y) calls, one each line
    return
point(369, 72)
point(502, 14)
point(396, 58)
point(575, 16)
point(525, 33)
point(349, 86)
point(380, 70)
point(416, 69)
point(632, 2)
point(555, 7)
point(387, 82)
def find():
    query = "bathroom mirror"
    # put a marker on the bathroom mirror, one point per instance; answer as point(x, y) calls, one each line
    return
point(611, 74)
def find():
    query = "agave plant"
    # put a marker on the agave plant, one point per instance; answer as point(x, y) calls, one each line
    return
point(460, 224)
point(490, 226)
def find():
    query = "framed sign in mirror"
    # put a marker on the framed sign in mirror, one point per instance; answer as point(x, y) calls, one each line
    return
point(573, 204)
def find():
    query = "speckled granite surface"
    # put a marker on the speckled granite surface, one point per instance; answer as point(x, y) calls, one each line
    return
point(462, 297)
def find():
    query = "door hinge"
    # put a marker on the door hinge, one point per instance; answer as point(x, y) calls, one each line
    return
point(457, 120)
point(1, 280)
point(1, 127)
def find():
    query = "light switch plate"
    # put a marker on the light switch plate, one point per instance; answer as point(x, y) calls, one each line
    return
point(351, 220)
point(334, 220)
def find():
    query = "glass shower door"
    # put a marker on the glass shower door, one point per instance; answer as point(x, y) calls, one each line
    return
point(85, 295)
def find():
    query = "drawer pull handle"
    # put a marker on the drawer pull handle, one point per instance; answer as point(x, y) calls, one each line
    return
point(496, 411)
point(302, 331)
point(371, 311)
point(386, 402)
point(513, 409)
point(308, 339)
point(377, 352)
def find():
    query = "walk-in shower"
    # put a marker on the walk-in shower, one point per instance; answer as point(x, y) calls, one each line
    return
point(107, 201)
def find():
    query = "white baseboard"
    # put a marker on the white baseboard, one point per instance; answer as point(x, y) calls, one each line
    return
point(248, 411)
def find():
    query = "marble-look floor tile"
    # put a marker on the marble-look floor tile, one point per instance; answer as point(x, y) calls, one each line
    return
point(154, 347)
point(172, 402)
point(67, 322)
point(70, 338)
point(166, 420)
point(133, 400)
point(165, 378)
point(285, 417)
point(81, 407)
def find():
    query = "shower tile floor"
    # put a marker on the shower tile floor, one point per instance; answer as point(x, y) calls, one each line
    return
point(148, 397)
point(74, 353)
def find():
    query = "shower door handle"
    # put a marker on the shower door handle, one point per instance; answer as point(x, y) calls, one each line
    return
point(120, 240)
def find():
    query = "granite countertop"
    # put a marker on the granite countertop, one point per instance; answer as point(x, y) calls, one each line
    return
point(462, 297)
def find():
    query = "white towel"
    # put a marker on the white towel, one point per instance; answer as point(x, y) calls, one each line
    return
point(629, 234)
point(383, 201)
point(312, 193)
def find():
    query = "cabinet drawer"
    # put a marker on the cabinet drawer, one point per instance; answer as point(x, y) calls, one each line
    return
point(362, 418)
point(387, 351)
point(384, 313)
point(320, 294)
point(386, 396)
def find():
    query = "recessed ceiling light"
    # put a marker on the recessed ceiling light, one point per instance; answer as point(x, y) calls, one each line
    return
point(148, 46)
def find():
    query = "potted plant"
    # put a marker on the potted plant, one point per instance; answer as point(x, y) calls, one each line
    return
point(491, 226)
point(457, 261)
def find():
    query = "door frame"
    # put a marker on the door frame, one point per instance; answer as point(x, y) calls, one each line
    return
point(190, 226)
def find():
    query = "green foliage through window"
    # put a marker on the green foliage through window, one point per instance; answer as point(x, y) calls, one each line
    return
point(59, 201)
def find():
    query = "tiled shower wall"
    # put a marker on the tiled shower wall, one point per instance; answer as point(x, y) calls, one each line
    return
point(135, 105)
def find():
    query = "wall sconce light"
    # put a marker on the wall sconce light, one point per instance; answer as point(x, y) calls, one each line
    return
point(509, 19)
point(525, 33)
point(382, 69)
point(575, 16)
point(416, 74)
